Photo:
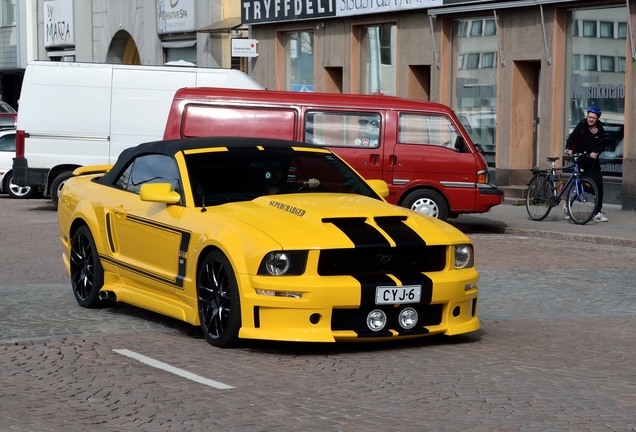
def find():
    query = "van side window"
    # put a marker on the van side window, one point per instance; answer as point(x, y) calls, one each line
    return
point(343, 129)
point(428, 130)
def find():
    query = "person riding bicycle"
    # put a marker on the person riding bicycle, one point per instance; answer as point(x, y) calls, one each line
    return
point(589, 137)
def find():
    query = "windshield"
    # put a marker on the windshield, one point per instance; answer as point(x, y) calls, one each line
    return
point(241, 175)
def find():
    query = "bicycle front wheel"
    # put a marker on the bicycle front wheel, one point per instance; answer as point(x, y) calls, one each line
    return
point(582, 200)
point(539, 197)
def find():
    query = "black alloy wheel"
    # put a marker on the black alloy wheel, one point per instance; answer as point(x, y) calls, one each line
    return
point(218, 300)
point(87, 274)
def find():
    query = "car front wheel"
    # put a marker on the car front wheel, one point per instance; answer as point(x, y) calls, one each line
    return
point(427, 202)
point(219, 302)
point(87, 274)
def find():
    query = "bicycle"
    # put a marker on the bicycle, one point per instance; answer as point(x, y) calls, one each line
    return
point(543, 193)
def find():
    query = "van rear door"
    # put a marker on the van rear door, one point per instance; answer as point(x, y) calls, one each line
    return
point(428, 152)
point(355, 136)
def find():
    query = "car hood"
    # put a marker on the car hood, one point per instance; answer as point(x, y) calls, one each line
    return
point(323, 220)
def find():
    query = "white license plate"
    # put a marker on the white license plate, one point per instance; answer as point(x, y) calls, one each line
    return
point(395, 294)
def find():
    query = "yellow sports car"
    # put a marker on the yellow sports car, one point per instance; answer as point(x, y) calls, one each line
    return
point(262, 239)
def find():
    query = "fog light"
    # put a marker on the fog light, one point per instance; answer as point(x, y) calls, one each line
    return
point(271, 293)
point(408, 318)
point(376, 320)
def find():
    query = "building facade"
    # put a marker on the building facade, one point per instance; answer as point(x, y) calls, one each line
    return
point(148, 32)
point(520, 74)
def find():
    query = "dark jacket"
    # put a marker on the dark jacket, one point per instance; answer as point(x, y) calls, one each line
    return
point(582, 140)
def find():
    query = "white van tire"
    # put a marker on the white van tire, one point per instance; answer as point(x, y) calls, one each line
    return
point(57, 184)
point(16, 191)
point(428, 202)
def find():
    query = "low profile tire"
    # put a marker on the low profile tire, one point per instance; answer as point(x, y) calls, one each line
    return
point(58, 184)
point(218, 300)
point(87, 274)
point(427, 202)
point(17, 191)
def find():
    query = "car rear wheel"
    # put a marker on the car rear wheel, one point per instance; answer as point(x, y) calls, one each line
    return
point(427, 202)
point(17, 191)
point(58, 184)
point(219, 302)
point(87, 274)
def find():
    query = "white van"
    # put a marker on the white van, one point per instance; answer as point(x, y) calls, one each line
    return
point(77, 114)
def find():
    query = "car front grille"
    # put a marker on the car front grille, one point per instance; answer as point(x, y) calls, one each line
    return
point(381, 260)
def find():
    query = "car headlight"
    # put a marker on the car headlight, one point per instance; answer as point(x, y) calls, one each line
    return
point(280, 263)
point(464, 256)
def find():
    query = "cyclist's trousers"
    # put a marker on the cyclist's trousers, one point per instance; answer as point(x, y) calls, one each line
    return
point(596, 175)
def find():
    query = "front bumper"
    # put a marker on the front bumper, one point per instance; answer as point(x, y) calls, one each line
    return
point(331, 309)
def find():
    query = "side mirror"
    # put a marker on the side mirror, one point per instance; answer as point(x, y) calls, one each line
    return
point(159, 192)
point(380, 187)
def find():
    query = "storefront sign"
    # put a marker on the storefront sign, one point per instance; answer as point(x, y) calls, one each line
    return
point(244, 48)
point(58, 23)
point(175, 16)
point(590, 88)
point(262, 11)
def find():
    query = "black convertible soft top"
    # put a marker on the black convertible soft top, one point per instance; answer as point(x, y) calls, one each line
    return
point(171, 147)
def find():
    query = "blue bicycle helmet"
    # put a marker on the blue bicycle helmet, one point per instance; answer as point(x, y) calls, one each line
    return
point(595, 110)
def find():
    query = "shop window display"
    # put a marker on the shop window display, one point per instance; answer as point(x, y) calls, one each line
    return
point(474, 89)
point(299, 61)
point(601, 79)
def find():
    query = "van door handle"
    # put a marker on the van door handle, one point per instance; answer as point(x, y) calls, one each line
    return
point(393, 159)
point(374, 159)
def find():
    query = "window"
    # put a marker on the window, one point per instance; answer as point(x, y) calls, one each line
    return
point(491, 28)
point(576, 62)
point(378, 70)
point(7, 13)
point(472, 61)
point(590, 62)
point(607, 64)
point(427, 130)
point(149, 169)
point(575, 28)
point(488, 60)
point(343, 129)
point(463, 28)
point(299, 61)
point(607, 29)
point(475, 28)
point(622, 30)
point(621, 65)
point(589, 28)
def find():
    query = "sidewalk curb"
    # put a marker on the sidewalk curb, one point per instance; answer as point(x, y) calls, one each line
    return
point(612, 241)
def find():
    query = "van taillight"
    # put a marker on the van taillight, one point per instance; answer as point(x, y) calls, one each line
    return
point(19, 144)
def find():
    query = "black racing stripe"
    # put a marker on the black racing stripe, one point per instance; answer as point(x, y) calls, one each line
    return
point(359, 232)
point(418, 279)
point(401, 233)
point(368, 284)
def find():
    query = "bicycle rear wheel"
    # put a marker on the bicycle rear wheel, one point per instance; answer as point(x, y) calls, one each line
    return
point(582, 200)
point(539, 197)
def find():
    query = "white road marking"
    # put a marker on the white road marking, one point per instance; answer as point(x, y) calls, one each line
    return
point(172, 369)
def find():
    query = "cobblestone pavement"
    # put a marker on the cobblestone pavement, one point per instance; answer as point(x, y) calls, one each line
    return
point(556, 352)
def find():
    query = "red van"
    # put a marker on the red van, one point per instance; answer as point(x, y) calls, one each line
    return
point(419, 148)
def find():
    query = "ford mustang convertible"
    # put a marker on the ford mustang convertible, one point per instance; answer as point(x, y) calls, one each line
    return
point(262, 239)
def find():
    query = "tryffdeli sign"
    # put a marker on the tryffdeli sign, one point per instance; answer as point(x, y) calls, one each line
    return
point(267, 11)
point(263, 11)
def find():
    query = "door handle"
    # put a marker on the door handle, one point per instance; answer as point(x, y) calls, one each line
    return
point(119, 210)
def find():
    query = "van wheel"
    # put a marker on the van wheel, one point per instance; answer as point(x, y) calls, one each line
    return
point(57, 185)
point(16, 191)
point(427, 202)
